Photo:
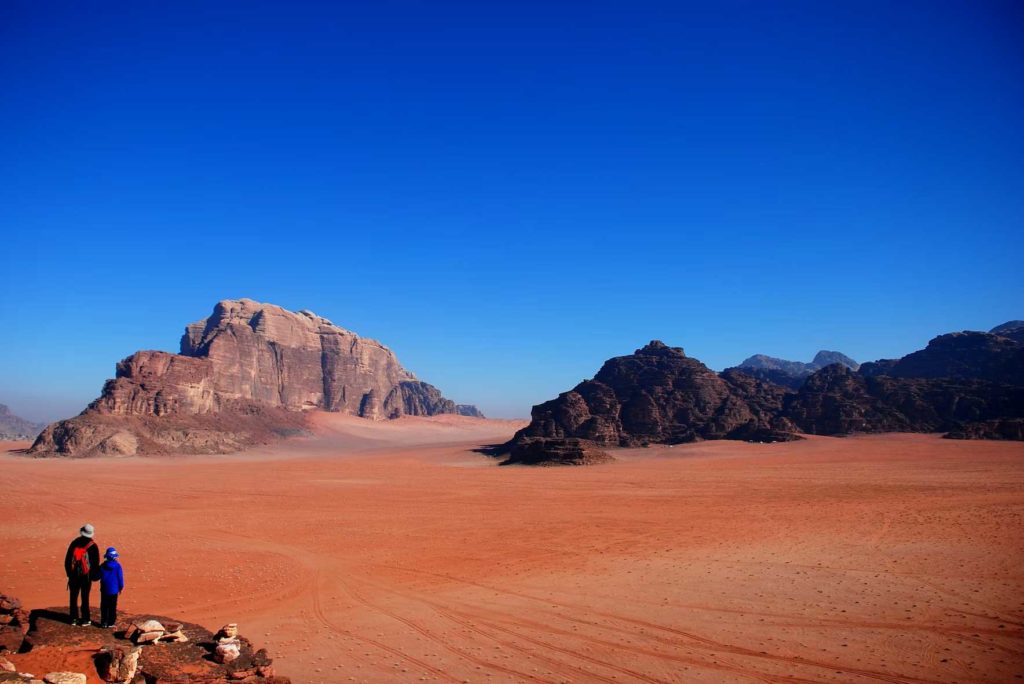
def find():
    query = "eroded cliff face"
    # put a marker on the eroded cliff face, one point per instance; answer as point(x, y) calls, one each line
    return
point(266, 355)
point(241, 373)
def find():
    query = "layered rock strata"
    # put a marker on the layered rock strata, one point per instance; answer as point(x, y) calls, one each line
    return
point(241, 377)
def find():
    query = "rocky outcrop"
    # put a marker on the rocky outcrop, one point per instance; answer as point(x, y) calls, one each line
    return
point(242, 375)
point(791, 373)
point(656, 394)
point(970, 385)
point(468, 410)
point(14, 624)
point(551, 452)
point(1011, 329)
point(13, 427)
point(837, 401)
point(963, 355)
point(125, 655)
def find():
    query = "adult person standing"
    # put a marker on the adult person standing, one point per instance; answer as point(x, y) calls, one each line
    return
point(82, 566)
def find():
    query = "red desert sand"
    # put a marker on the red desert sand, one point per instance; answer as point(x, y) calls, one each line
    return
point(392, 552)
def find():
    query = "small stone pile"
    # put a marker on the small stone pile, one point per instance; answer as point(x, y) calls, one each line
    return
point(236, 652)
point(229, 647)
point(151, 632)
point(13, 624)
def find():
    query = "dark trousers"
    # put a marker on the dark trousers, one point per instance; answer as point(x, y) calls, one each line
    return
point(108, 608)
point(80, 585)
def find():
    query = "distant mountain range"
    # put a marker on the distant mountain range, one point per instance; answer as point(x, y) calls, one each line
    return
point(792, 373)
point(14, 428)
point(967, 384)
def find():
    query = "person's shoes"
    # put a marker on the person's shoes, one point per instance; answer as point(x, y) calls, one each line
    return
point(85, 623)
point(74, 623)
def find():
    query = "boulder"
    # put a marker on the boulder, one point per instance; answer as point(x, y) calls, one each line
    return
point(118, 663)
point(228, 631)
point(65, 678)
point(227, 652)
point(14, 623)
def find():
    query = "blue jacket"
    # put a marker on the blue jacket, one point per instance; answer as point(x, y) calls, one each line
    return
point(111, 577)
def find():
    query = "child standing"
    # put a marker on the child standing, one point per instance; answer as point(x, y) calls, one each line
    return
point(111, 584)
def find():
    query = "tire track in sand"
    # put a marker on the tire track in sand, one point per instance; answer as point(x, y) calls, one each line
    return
point(321, 617)
point(467, 618)
point(712, 643)
point(479, 662)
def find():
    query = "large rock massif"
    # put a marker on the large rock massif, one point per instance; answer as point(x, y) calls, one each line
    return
point(656, 394)
point(244, 376)
point(969, 385)
point(13, 427)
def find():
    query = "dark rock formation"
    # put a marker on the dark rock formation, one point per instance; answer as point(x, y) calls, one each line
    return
point(1012, 329)
point(551, 452)
point(970, 385)
point(14, 428)
point(14, 624)
point(657, 394)
point(791, 373)
point(837, 401)
point(1000, 428)
point(468, 410)
point(964, 355)
point(241, 374)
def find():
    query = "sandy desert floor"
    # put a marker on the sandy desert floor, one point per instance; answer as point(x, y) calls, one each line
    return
point(393, 552)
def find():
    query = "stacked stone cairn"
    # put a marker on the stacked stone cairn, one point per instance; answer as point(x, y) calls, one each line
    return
point(229, 646)
point(152, 631)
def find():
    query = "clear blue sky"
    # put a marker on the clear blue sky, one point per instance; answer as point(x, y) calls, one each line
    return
point(506, 193)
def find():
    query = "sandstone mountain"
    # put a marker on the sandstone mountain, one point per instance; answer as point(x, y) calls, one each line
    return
point(792, 373)
point(838, 401)
point(13, 427)
point(969, 385)
point(656, 394)
point(244, 375)
point(964, 355)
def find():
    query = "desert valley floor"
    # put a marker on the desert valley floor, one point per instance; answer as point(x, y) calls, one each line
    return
point(394, 552)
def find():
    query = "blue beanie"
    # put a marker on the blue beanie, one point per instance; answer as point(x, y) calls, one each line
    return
point(111, 553)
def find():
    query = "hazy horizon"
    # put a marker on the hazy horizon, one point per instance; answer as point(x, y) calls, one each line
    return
point(48, 409)
point(507, 196)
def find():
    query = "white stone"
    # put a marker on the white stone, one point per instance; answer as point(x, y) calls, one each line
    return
point(65, 678)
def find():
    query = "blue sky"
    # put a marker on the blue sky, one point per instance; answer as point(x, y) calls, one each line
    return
point(506, 193)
